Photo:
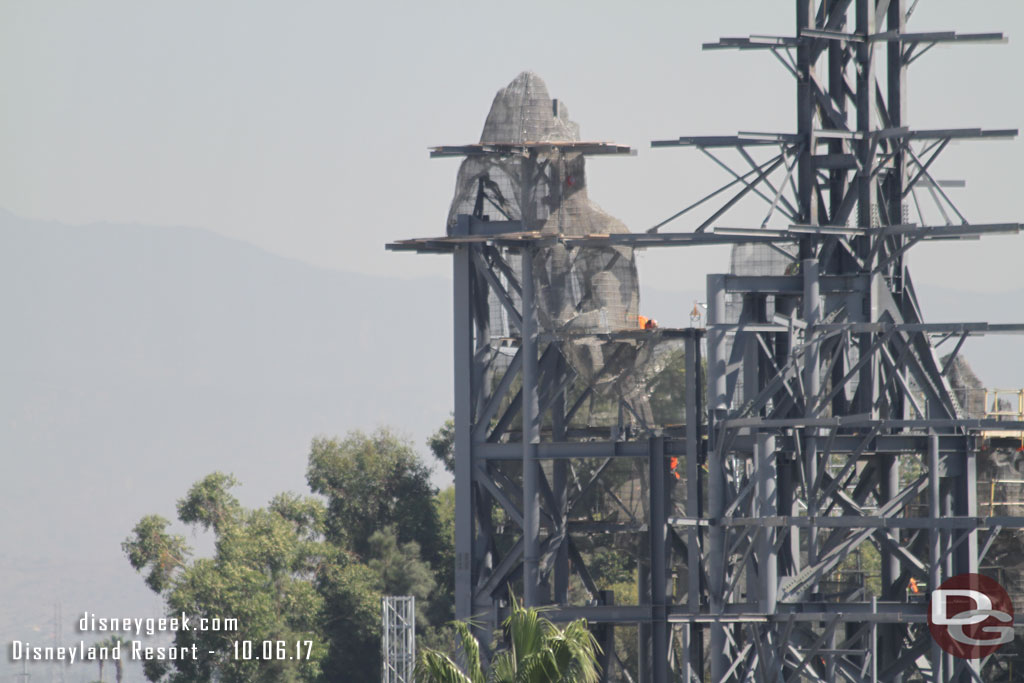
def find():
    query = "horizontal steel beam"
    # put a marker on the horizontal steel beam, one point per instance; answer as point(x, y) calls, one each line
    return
point(809, 36)
point(860, 522)
point(972, 329)
point(867, 421)
point(741, 139)
point(572, 449)
point(753, 43)
point(845, 612)
point(530, 148)
point(883, 444)
point(516, 240)
point(794, 284)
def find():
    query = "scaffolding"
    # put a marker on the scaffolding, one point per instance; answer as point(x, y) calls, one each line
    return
point(827, 428)
point(398, 638)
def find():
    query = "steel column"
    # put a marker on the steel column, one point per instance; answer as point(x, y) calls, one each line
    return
point(463, 361)
point(716, 550)
point(531, 437)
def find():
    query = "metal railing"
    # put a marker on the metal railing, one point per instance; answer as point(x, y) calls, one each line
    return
point(1012, 494)
point(995, 399)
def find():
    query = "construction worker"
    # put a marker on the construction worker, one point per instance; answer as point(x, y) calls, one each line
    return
point(645, 323)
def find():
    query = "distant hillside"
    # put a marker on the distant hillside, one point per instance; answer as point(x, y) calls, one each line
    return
point(135, 360)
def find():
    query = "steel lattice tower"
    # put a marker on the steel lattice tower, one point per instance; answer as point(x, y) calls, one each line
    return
point(398, 638)
point(829, 426)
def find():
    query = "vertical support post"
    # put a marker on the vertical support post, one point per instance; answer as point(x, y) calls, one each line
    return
point(865, 147)
point(865, 110)
point(463, 336)
point(874, 640)
point(751, 312)
point(946, 485)
point(837, 52)
point(692, 637)
point(968, 507)
point(935, 540)
point(789, 469)
point(685, 661)
point(768, 561)
point(386, 646)
point(716, 346)
point(561, 491)
point(531, 436)
point(805, 171)
point(812, 384)
point(658, 535)
point(643, 629)
point(716, 472)
point(889, 485)
point(897, 109)
point(693, 510)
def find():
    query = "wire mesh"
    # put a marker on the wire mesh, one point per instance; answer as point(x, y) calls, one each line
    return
point(583, 294)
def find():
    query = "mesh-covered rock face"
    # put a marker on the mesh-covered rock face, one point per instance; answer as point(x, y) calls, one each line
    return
point(580, 291)
point(520, 187)
point(967, 388)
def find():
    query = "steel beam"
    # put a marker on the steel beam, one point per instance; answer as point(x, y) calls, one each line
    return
point(803, 467)
point(531, 436)
point(463, 361)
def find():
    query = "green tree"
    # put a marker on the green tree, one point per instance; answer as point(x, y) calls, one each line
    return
point(398, 566)
point(306, 568)
point(209, 503)
point(377, 483)
point(442, 444)
point(538, 652)
point(261, 574)
point(352, 615)
point(371, 482)
point(444, 504)
point(151, 547)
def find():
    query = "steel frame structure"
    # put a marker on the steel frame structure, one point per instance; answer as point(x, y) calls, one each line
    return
point(515, 447)
point(398, 638)
point(829, 425)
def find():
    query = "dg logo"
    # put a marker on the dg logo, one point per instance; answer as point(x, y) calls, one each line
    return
point(971, 616)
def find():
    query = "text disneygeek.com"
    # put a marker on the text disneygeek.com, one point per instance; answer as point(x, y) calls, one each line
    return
point(124, 649)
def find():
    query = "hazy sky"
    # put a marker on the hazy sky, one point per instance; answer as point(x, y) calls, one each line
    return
point(303, 127)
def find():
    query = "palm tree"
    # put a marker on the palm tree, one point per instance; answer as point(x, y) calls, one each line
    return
point(99, 660)
point(540, 653)
point(111, 643)
point(118, 664)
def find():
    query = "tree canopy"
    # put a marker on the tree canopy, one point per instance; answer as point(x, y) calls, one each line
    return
point(303, 569)
point(371, 482)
